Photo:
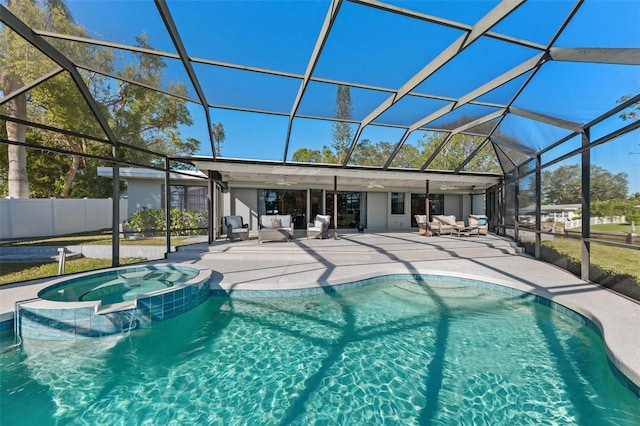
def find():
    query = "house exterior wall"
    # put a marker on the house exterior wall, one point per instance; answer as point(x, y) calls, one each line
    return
point(377, 211)
point(400, 222)
point(453, 204)
point(242, 202)
point(479, 204)
point(144, 193)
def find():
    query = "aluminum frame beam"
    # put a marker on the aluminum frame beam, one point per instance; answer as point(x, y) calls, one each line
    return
point(497, 14)
point(460, 129)
point(443, 22)
point(55, 55)
point(513, 145)
point(329, 20)
point(543, 118)
point(30, 86)
point(617, 56)
point(163, 9)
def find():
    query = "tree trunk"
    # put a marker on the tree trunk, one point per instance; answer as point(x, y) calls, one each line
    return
point(18, 178)
point(70, 176)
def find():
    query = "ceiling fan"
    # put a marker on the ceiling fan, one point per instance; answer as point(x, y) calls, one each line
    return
point(373, 184)
point(282, 182)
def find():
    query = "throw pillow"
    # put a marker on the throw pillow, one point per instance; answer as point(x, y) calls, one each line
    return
point(276, 223)
point(318, 223)
point(482, 221)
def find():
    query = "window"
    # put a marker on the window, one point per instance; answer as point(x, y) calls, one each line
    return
point(283, 201)
point(418, 205)
point(397, 203)
point(182, 197)
point(352, 209)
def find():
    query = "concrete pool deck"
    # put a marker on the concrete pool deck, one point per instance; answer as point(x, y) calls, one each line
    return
point(302, 263)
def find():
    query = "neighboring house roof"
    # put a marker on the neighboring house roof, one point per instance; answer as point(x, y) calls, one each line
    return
point(550, 208)
point(560, 208)
point(132, 173)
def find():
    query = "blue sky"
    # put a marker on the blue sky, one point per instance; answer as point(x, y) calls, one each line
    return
point(383, 50)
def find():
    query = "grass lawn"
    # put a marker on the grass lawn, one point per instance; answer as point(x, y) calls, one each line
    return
point(15, 272)
point(97, 239)
point(622, 260)
point(613, 227)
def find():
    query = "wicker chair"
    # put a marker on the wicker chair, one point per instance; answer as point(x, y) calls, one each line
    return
point(319, 228)
point(236, 228)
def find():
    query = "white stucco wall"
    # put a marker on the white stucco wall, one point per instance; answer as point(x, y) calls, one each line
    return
point(242, 202)
point(453, 205)
point(479, 204)
point(400, 222)
point(144, 193)
point(377, 211)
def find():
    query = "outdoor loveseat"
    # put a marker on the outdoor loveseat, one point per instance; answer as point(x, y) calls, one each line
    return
point(275, 227)
point(445, 224)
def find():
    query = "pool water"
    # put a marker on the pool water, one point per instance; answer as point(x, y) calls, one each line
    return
point(395, 352)
point(120, 285)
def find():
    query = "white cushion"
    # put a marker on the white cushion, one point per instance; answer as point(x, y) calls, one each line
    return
point(285, 220)
point(324, 218)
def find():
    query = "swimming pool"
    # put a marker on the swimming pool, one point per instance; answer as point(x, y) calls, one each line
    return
point(393, 352)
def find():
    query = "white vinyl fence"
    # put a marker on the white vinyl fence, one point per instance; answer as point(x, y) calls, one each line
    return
point(36, 217)
point(570, 224)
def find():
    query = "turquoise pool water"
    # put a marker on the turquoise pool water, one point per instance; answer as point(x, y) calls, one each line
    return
point(120, 285)
point(395, 352)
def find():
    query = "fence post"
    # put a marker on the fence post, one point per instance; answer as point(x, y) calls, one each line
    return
point(10, 215)
point(53, 216)
point(61, 260)
point(86, 223)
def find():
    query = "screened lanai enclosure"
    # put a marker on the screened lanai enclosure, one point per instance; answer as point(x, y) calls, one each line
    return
point(174, 113)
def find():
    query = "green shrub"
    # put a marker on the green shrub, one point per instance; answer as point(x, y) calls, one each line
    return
point(147, 222)
point(151, 222)
point(186, 222)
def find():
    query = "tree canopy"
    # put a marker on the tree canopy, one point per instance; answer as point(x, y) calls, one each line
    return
point(563, 185)
point(138, 116)
point(370, 153)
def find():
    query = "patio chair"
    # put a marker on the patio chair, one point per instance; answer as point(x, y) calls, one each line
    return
point(236, 228)
point(319, 227)
point(423, 226)
point(478, 224)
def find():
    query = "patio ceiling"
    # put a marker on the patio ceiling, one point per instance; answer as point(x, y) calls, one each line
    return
point(450, 92)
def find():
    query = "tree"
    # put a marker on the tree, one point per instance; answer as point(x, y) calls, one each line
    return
point(368, 153)
point(563, 185)
point(629, 115)
point(217, 131)
point(20, 63)
point(16, 67)
point(147, 118)
point(341, 131)
point(307, 155)
point(138, 116)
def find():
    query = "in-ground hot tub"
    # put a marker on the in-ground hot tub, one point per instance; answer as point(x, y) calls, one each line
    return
point(115, 286)
point(109, 302)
